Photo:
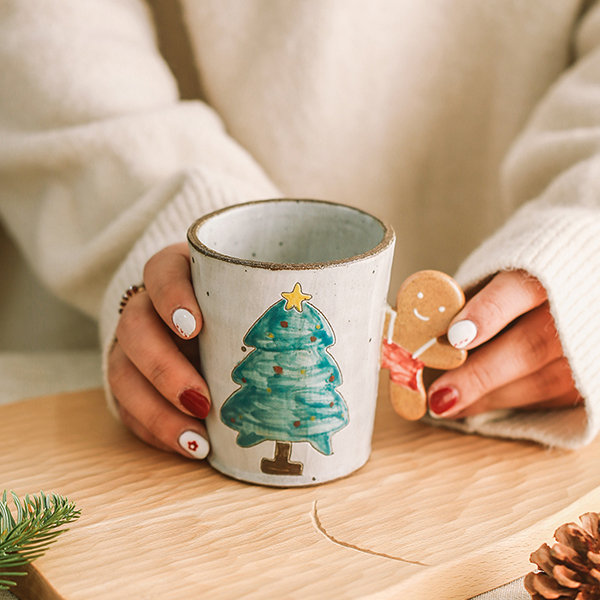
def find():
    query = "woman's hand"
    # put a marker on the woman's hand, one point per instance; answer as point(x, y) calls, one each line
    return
point(160, 394)
point(516, 361)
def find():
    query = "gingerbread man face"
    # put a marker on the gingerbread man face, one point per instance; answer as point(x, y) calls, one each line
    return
point(415, 337)
point(426, 303)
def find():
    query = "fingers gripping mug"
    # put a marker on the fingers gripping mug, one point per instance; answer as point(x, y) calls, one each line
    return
point(293, 296)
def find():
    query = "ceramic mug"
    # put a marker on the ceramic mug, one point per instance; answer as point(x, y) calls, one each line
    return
point(293, 295)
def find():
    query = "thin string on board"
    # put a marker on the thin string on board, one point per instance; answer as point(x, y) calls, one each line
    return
point(319, 526)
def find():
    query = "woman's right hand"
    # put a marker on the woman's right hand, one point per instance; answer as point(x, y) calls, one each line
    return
point(160, 395)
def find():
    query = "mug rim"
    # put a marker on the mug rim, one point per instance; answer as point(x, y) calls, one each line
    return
point(387, 240)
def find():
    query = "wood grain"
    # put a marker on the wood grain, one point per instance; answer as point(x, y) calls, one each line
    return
point(433, 514)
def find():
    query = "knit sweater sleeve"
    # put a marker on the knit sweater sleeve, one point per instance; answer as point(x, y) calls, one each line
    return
point(553, 170)
point(101, 163)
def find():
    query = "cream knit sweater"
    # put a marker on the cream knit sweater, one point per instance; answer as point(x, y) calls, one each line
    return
point(472, 127)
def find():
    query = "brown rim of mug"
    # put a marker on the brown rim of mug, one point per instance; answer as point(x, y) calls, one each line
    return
point(387, 239)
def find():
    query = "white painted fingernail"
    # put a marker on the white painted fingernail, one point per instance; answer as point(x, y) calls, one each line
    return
point(194, 444)
point(184, 322)
point(462, 333)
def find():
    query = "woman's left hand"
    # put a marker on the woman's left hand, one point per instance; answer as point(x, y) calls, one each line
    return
point(517, 360)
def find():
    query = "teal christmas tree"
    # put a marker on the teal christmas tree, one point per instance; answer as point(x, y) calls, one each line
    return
point(287, 383)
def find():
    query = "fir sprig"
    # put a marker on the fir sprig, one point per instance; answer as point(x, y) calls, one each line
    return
point(27, 534)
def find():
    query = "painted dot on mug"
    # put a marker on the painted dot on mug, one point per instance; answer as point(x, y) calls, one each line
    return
point(270, 335)
point(244, 380)
point(244, 348)
point(284, 324)
point(313, 338)
point(331, 405)
point(318, 326)
point(233, 419)
point(268, 390)
point(302, 371)
point(313, 418)
point(296, 423)
point(332, 378)
point(278, 370)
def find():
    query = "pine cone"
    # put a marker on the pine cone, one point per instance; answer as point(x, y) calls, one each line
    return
point(570, 570)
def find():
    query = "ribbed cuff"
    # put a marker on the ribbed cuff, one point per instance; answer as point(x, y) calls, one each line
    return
point(188, 197)
point(560, 245)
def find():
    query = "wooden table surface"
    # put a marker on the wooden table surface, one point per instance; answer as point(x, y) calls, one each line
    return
point(433, 514)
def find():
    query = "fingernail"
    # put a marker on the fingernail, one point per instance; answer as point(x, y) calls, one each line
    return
point(462, 333)
point(195, 402)
point(194, 444)
point(443, 400)
point(184, 321)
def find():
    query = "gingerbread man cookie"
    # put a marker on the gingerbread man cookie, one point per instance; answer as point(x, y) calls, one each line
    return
point(414, 337)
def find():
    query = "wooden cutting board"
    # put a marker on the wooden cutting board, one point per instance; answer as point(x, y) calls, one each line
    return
point(433, 514)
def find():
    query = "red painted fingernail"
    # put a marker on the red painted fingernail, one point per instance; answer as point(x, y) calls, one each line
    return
point(195, 402)
point(443, 400)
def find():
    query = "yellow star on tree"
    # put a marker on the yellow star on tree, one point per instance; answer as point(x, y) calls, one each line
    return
point(295, 298)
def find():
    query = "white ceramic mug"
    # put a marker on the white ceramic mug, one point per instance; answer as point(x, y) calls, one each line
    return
point(293, 295)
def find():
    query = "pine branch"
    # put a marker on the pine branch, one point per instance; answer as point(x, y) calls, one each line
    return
point(26, 535)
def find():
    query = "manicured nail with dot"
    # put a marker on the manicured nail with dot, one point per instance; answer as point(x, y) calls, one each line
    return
point(194, 444)
point(462, 333)
point(184, 322)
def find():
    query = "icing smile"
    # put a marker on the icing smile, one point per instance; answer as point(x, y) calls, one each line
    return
point(419, 315)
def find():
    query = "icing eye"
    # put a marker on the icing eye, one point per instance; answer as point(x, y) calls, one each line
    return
point(441, 308)
point(420, 295)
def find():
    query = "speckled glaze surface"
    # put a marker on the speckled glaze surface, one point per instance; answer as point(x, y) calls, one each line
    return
point(293, 296)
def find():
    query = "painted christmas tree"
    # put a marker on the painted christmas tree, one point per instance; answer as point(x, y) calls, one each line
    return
point(288, 383)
